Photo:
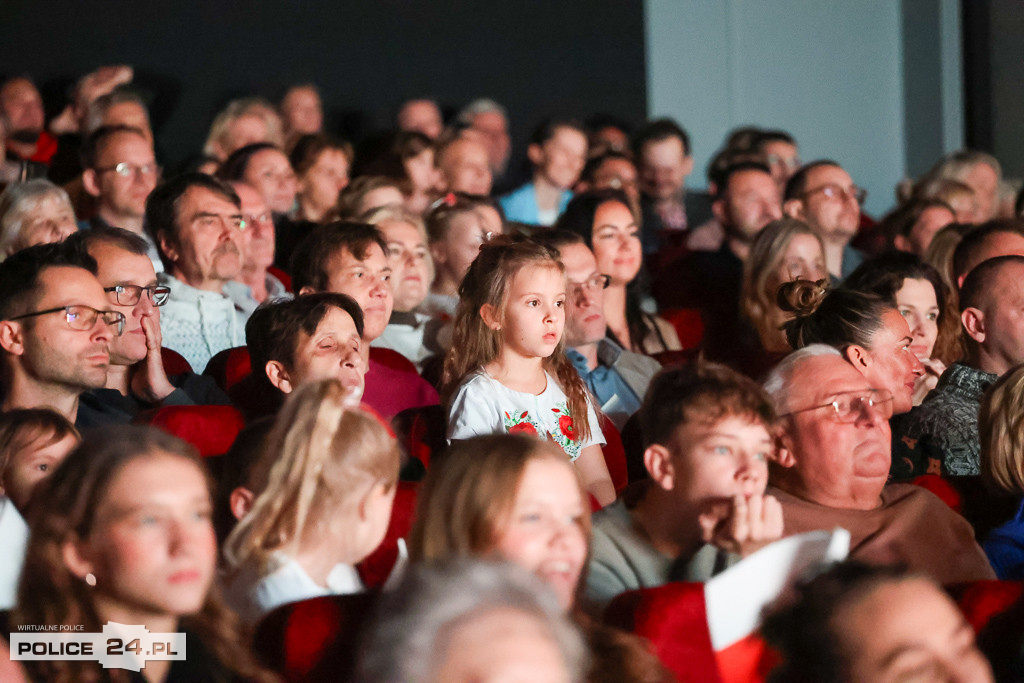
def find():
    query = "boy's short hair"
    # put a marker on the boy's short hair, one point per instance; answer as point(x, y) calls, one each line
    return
point(701, 391)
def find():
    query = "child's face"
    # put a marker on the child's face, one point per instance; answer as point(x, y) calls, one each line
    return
point(535, 313)
point(715, 461)
point(31, 465)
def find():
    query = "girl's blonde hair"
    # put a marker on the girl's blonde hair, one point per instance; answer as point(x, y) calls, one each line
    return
point(320, 452)
point(1000, 425)
point(474, 344)
point(466, 501)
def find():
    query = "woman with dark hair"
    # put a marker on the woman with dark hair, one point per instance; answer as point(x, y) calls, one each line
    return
point(126, 536)
point(867, 329)
point(321, 165)
point(917, 291)
point(264, 166)
point(609, 227)
point(860, 623)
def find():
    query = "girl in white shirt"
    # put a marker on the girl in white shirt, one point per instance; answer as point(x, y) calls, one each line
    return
point(507, 370)
point(325, 507)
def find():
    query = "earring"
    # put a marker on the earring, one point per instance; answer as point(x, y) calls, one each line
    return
point(90, 579)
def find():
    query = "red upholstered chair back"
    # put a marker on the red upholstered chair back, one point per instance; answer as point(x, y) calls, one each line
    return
point(941, 488)
point(982, 600)
point(674, 618)
point(670, 359)
point(614, 454)
point(688, 323)
point(394, 360)
point(376, 568)
point(211, 429)
point(422, 431)
point(174, 362)
point(315, 639)
point(228, 367)
point(284, 277)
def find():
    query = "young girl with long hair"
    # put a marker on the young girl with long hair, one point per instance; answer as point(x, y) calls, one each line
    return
point(125, 535)
point(325, 506)
point(507, 370)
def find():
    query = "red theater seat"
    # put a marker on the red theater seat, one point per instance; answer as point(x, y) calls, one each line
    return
point(228, 367)
point(211, 429)
point(284, 277)
point(614, 454)
point(941, 488)
point(376, 568)
point(688, 324)
point(174, 362)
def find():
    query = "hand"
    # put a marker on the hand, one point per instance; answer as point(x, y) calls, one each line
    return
point(933, 367)
point(742, 525)
point(149, 380)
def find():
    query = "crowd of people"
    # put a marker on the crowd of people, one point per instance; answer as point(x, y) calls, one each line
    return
point(577, 379)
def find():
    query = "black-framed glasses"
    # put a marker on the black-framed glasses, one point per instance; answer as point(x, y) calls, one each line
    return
point(833, 191)
point(850, 406)
point(129, 295)
point(82, 318)
point(126, 170)
point(594, 283)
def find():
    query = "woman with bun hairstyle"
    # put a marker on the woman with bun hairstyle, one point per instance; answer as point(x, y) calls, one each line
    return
point(867, 329)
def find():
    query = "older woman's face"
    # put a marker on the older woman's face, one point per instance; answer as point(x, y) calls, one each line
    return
point(411, 268)
point(909, 630)
point(51, 220)
point(270, 172)
point(616, 242)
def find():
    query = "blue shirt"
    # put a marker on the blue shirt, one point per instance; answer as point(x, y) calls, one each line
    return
point(520, 205)
point(1005, 548)
point(614, 396)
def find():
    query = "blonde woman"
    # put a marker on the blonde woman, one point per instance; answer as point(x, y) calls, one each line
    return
point(325, 507)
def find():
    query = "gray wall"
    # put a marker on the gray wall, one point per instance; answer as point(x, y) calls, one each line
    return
point(874, 84)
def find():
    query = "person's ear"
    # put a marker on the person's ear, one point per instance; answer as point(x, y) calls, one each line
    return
point(278, 376)
point(902, 243)
point(438, 253)
point(535, 154)
point(11, 338)
point(89, 182)
point(794, 208)
point(240, 501)
point(490, 315)
point(307, 290)
point(76, 558)
point(168, 247)
point(973, 320)
point(783, 454)
point(857, 356)
point(687, 165)
point(718, 211)
point(658, 461)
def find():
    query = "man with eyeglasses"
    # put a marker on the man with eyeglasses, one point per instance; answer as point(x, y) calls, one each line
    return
point(121, 172)
point(831, 466)
point(55, 328)
point(196, 222)
point(823, 195)
point(136, 378)
point(255, 284)
point(617, 377)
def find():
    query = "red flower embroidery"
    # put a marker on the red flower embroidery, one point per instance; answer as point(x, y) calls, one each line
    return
point(566, 426)
point(523, 428)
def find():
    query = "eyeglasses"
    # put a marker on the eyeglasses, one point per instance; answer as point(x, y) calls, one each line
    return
point(832, 191)
point(596, 282)
point(129, 295)
point(850, 406)
point(250, 219)
point(789, 163)
point(126, 170)
point(82, 318)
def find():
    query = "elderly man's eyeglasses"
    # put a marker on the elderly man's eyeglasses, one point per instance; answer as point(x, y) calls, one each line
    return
point(852, 405)
point(595, 283)
point(82, 318)
point(126, 170)
point(129, 295)
point(833, 191)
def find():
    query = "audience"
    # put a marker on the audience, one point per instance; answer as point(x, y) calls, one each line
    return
point(831, 467)
point(506, 370)
point(325, 505)
point(940, 436)
point(541, 344)
point(34, 212)
point(557, 152)
point(196, 221)
point(706, 430)
point(56, 326)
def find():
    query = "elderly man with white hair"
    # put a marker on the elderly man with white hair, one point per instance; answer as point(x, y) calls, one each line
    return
point(831, 467)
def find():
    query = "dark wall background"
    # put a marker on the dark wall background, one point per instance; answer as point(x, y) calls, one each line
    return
point(559, 57)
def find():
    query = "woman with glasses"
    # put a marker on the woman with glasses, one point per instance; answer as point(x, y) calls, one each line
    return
point(609, 227)
point(136, 377)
